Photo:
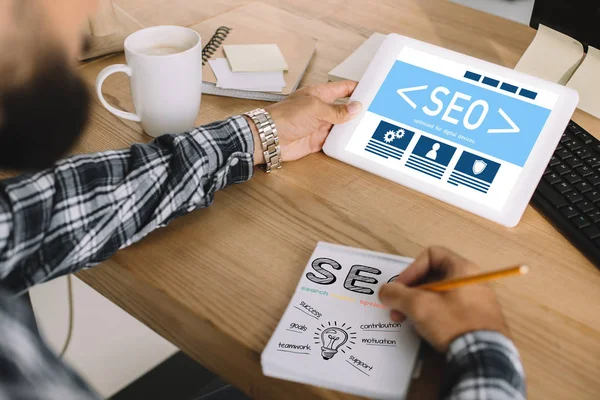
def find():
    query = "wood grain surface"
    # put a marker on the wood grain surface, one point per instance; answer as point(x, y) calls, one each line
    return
point(216, 281)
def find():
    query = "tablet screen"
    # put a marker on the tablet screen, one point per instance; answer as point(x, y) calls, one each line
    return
point(465, 130)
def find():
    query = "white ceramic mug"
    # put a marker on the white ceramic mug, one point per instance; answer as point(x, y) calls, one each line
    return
point(164, 64)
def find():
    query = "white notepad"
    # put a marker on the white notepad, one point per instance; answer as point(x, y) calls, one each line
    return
point(255, 58)
point(335, 333)
point(552, 56)
point(354, 67)
point(586, 81)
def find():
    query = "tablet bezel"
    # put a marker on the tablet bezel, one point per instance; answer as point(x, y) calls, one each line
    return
point(516, 203)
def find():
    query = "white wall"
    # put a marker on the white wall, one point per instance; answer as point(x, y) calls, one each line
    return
point(517, 10)
point(109, 348)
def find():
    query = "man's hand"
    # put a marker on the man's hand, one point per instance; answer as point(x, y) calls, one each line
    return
point(441, 317)
point(304, 119)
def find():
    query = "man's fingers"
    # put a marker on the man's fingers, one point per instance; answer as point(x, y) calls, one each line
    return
point(338, 113)
point(329, 92)
point(434, 260)
point(407, 302)
point(397, 316)
point(397, 297)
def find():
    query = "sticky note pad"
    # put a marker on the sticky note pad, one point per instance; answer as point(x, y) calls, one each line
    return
point(250, 81)
point(255, 58)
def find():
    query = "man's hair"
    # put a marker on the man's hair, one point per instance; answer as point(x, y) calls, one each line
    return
point(41, 119)
point(43, 103)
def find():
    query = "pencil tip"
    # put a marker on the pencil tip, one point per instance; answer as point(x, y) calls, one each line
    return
point(524, 269)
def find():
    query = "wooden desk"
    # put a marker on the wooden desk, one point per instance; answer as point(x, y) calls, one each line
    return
point(216, 282)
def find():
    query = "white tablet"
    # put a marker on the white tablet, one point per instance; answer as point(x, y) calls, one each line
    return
point(462, 130)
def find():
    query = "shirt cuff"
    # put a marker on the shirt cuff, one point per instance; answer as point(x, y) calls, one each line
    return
point(484, 362)
point(232, 144)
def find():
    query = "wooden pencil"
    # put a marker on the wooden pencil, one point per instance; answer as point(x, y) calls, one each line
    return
point(449, 284)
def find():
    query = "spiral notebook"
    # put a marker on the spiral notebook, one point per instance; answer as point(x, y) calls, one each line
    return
point(336, 334)
point(255, 23)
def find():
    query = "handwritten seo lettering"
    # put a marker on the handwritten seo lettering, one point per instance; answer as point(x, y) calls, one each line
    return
point(323, 275)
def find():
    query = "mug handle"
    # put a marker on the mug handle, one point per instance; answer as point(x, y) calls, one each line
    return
point(105, 73)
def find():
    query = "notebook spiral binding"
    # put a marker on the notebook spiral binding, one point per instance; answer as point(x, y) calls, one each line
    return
point(214, 43)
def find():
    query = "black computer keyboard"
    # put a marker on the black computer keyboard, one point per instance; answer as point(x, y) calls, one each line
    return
point(569, 192)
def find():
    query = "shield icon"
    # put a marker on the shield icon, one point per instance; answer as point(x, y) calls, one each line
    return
point(479, 166)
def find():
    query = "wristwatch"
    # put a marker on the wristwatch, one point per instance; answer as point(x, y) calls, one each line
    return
point(268, 137)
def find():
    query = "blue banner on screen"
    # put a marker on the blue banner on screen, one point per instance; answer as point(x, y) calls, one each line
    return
point(502, 126)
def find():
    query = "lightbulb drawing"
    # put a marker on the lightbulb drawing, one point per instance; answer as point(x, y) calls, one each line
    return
point(333, 338)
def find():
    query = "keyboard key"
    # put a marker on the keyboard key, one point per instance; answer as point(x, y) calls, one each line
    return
point(564, 154)
point(572, 145)
point(574, 162)
point(570, 211)
point(551, 195)
point(593, 161)
point(592, 232)
point(583, 153)
point(585, 206)
point(585, 137)
point(574, 197)
point(583, 187)
point(594, 216)
point(562, 169)
point(593, 196)
point(573, 127)
point(585, 170)
point(564, 187)
point(580, 222)
point(552, 178)
point(572, 178)
point(594, 179)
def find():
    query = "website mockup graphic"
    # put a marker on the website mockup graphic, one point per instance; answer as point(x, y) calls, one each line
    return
point(464, 130)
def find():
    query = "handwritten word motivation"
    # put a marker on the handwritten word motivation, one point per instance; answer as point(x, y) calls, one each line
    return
point(357, 274)
point(379, 342)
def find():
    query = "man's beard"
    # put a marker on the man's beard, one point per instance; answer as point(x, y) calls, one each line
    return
point(42, 119)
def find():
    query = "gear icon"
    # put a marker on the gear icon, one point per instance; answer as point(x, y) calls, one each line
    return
point(400, 133)
point(389, 136)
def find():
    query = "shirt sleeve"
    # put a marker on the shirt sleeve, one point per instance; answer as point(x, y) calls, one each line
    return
point(483, 365)
point(29, 370)
point(83, 210)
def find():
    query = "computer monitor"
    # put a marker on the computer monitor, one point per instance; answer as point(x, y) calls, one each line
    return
point(579, 19)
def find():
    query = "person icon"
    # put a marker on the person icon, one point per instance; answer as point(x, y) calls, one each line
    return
point(432, 154)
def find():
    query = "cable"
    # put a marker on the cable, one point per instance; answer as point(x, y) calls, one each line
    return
point(70, 331)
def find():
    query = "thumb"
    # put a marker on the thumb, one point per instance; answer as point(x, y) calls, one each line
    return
point(340, 113)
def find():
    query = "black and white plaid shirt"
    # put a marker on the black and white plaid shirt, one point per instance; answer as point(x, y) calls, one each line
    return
point(82, 211)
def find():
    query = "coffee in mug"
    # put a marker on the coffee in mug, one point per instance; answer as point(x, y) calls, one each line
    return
point(163, 50)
